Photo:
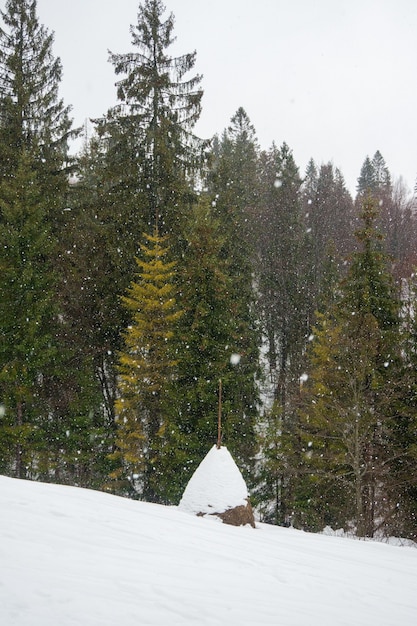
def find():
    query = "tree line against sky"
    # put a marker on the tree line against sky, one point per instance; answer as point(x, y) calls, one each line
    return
point(139, 273)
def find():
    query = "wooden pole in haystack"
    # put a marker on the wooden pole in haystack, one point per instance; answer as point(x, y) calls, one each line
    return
point(219, 422)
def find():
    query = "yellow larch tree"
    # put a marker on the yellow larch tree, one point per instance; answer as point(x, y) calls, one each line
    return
point(146, 371)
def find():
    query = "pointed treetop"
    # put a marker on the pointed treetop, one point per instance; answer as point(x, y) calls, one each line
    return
point(241, 128)
point(374, 175)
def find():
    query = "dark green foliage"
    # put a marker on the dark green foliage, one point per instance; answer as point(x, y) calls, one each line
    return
point(396, 217)
point(216, 343)
point(99, 379)
point(369, 286)
point(374, 176)
point(233, 183)
point(45, 388)
point(349, 396)
point(32, 116)
point(97, 264)
point(330, 222)
point(27, 312)
point(280, 258)
point(234, 190)
point(283, 309)
point(154, 122)
point(136, 172)
point(366, 180)
point(49, 426)
point(403, 427)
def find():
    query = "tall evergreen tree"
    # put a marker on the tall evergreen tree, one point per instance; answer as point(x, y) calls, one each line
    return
point(330, 222)
point(403, 432)
point(157, 114)
point(34, 132)
point(396, 217)
point(309, 186)
point(146, 369)
point(280, 255)
point(349, 395)
point(233, 183)
point(27, 314)
point(234, 192)
point(32, 116)
point(97, 266)
point(233, 186)
point(381, 174)
point(366, 181)
point(282, 285)
point(215, 344)
point(137, 171)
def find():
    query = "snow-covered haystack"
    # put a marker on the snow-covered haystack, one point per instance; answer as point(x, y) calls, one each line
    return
point(218, 488)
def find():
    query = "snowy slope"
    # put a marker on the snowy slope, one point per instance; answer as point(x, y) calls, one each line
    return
point(72, 557)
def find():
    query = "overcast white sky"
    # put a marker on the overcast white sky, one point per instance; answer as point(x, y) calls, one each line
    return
point(335, 79)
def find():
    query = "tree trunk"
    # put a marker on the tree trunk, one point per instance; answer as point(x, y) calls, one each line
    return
point(19, 423)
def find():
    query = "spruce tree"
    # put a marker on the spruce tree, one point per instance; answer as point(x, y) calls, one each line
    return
point(35, 128)
point(215, 344)
point(330, 223)
point(233, 183)
point(366, 181)
point(47, 389)
point(396, 218)
point(27, 315)
point(136, 172)
point(280, 242)
point(34, 132)
point(234, 193)
point(349, 396)
point(158, 110)
point(97, 266)
point(283, 305)
point(233, 188)
point(402, 441)
point(32, 116)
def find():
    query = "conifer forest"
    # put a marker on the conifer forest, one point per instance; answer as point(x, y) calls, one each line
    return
point(140, 272)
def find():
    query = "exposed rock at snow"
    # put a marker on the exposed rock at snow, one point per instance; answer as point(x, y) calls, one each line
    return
point(217, 488)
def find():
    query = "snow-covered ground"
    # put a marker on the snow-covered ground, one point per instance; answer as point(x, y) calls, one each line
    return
point(73, 557)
